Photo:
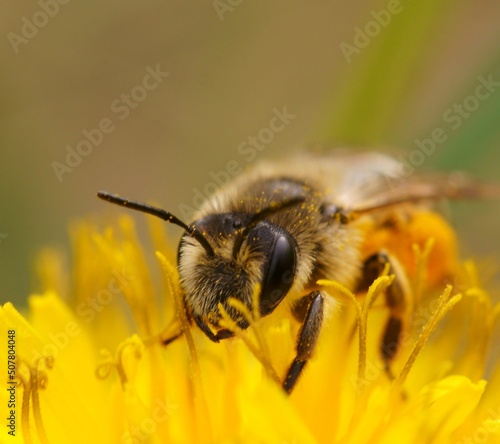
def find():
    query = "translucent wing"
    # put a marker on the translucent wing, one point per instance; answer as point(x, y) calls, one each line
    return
point(373, 182)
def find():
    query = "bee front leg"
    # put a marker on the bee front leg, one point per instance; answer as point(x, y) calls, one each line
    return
point(215, 337)
point(169, 334)
point(306, 339)
point(397, 297)
point(176, 332)
point(172, 337)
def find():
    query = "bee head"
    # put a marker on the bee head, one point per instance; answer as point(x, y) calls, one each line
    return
point(246, 252)
point(226, 255)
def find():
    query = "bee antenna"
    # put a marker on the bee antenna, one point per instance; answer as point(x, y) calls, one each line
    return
point(262, 214)
point(192, 230)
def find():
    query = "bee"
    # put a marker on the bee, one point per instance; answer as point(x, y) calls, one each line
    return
point(285, 225)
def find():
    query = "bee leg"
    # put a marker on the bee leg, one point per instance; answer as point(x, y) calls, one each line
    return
point(172, 337)
point(397, 297)
point(170, 333)
point(177, 332)
point(306, 340)
point(215, 337)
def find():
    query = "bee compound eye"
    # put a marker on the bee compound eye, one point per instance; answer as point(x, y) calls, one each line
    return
point(278, 276)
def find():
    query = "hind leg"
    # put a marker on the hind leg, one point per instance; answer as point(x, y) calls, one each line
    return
point(397, 300)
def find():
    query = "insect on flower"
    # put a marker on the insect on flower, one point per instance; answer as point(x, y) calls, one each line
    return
point(286, 225)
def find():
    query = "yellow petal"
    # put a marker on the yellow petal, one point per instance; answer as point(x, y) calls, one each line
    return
point(436, 412)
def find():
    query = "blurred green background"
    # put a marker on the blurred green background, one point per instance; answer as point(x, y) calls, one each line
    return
point(365, 73)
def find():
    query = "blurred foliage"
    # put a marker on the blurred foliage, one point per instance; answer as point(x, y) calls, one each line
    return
point(469, 145)
point(381, 76)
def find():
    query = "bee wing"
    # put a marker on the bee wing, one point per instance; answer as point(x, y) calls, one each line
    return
point(385, 189)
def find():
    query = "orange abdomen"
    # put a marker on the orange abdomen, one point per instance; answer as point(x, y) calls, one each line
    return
point(400, 231)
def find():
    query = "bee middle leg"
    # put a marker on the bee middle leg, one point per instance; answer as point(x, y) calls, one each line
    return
point(307, 337)
point(397, 297)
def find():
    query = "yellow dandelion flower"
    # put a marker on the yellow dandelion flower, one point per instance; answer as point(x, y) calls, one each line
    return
point(89, 365)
